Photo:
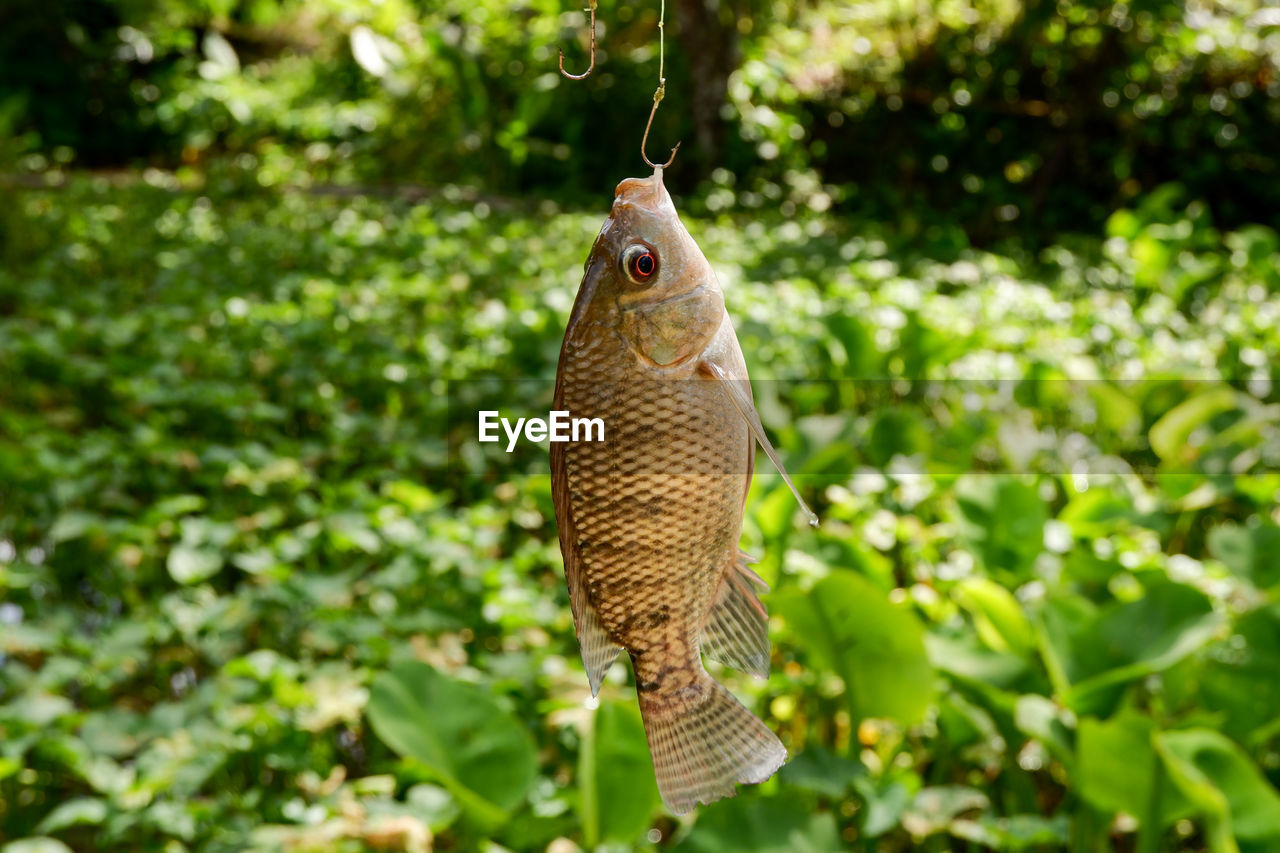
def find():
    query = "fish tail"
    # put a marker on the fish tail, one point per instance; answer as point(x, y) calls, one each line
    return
point(703, 741)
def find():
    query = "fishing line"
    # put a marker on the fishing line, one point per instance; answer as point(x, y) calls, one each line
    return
point(659, 93)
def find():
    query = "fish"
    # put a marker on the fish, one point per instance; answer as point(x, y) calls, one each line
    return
point(649, 520)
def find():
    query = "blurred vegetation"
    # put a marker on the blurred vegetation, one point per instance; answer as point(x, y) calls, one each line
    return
point(1008, 282)
point(1027, 118)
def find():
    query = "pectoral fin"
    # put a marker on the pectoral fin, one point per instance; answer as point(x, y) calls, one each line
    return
point(741, 399)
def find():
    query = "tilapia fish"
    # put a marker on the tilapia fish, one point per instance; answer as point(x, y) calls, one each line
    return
point(649, 519)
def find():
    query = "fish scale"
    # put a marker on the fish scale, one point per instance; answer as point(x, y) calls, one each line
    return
point(668, 558)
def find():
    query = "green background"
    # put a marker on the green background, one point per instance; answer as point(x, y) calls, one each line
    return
point(1006, 277)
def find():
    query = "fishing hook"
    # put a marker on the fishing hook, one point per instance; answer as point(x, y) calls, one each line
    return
point(644, 142)
point(591, 7)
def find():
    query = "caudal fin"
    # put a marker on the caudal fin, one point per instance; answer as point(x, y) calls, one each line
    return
point(704, 742)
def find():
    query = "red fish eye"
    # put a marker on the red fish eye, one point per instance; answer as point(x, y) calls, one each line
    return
point(639, 263)
point(644, 265)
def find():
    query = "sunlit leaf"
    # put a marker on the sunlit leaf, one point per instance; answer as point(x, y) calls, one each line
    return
point(364, 47)
point(1002, 520)
point(483, 755)
point(189, 564)
point(819, 770)
point(36, 845)
point(876, 647)
point(82, 810)
point(1249, 552)
point(1226, 788)
point(1239, 679)
point(935, 807)
point(997, 615)
point(782, 824)
point(1118, 770)
point(618, 793)
point(1171, 435)
point(1017, 832)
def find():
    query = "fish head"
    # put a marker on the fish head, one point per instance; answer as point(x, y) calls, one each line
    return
point(669, 303)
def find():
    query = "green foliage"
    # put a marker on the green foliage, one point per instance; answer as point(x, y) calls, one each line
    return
point(1224, 788)
point(1038, 115)
point(998, 116)
point(875, 648)
point(617, 790)
point(282, 91)
point(776, 825)
point(482, 754)
point(260, 588)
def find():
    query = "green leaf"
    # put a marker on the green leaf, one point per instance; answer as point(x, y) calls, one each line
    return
point(1171, 435)
point(433, 805)
point(1115, 762)
point(81, 810)
point(1017, 832)
point(997, 615)
point(1117, 769)
point(73, 525)
point(935, 807)
point(1100, 651)
point(618, 793)
point(1117, 410)
point(351, 531)
point(886, 798)
point(782, 824)
point(1001, 519)
point(482, 754)
point(967, 659)
point(1124, 223)
point(1161, 628)
point(36, 845)
point(36, 709)
point(963, 723)
point(1239, 677)
point(852, 629)
point(189, 564)
point(1095, 512)
point(1224, 785)
point(821, 771)
point(1039, 717)
point(1249, 552)
point(895, 432)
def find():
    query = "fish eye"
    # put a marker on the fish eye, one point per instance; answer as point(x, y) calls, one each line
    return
point(639, 263)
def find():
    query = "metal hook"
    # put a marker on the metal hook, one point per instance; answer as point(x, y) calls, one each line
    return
point(591, 7)
point(644, 142)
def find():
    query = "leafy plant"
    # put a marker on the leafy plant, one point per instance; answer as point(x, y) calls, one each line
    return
point(261, 588)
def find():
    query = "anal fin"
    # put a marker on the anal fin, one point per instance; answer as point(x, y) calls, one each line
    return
point(598, 651)
point(737, 629)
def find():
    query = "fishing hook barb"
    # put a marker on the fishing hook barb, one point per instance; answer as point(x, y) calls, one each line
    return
point(644, 142)
point(591, 7)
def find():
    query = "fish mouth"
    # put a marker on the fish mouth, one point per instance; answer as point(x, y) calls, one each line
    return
point(646, 193)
